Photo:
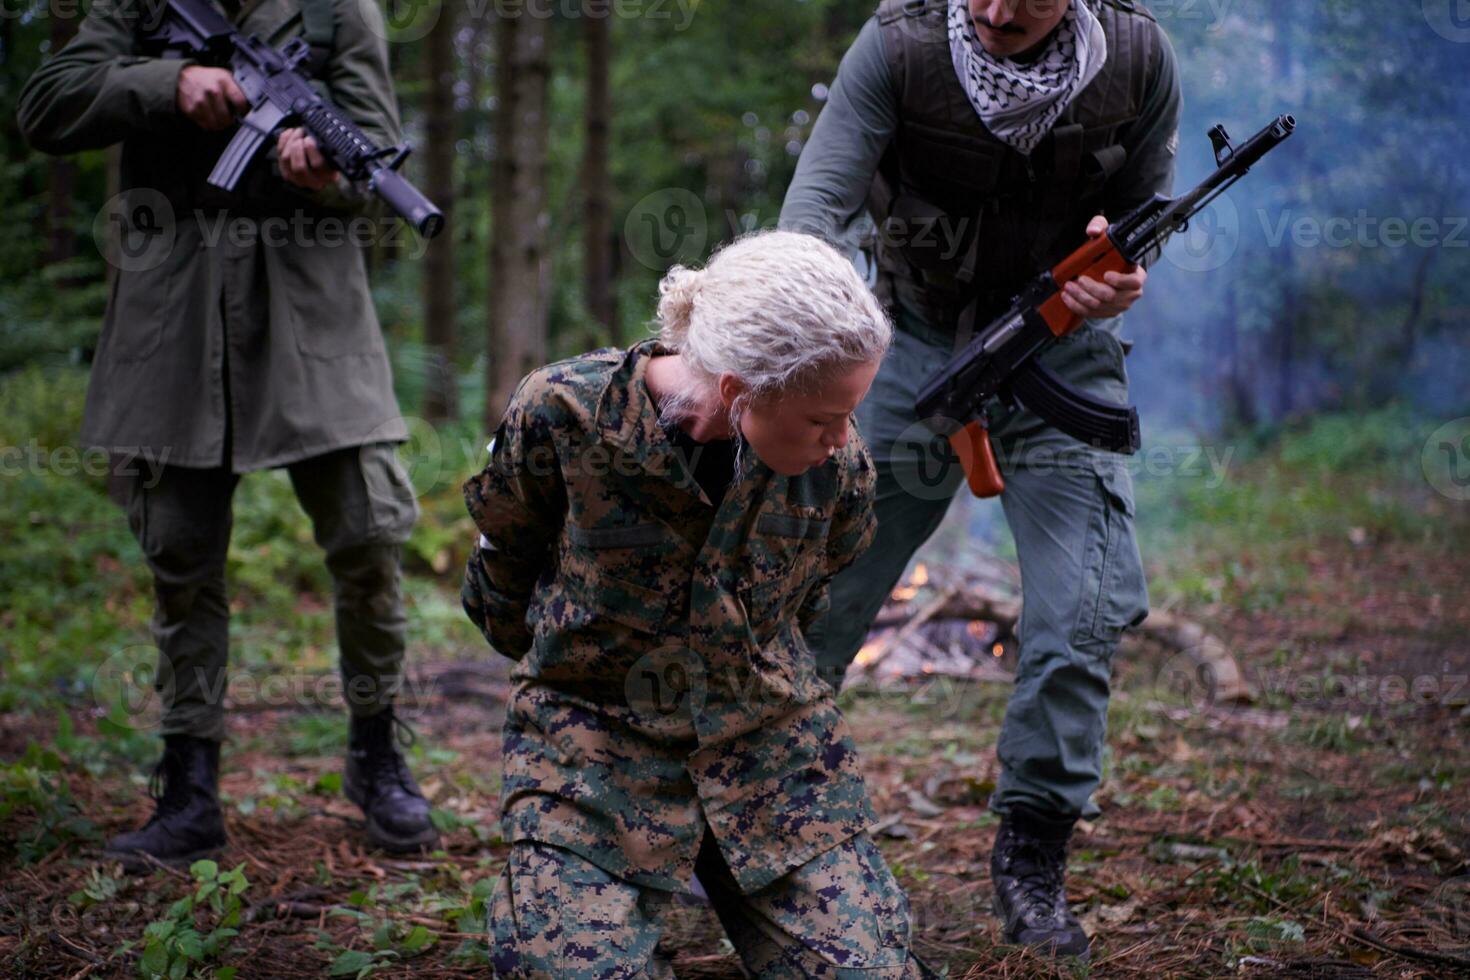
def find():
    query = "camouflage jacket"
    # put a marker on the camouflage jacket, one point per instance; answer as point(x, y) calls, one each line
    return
point(662, 674)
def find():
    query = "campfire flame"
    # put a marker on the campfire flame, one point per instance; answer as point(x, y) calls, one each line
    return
point(979, 630)
point(905, 592)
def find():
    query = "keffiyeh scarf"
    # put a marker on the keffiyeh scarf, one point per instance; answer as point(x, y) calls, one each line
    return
point(1020, 101)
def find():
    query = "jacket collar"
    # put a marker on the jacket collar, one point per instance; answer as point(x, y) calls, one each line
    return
point(627, 417)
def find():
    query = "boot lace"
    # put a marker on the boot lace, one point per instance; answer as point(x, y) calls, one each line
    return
point(384, 750)
point(1038, 869)
point(167, 788)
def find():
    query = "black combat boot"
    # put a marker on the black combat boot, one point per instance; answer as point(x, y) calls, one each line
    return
point(186, 824)
point(378, 780)
point(1027, 868)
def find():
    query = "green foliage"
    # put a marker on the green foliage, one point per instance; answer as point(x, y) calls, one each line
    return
point(178, 945)
point(99, 890)
point(73, 578)
point(1236, 533)
point(35, 787)
point(390, 941)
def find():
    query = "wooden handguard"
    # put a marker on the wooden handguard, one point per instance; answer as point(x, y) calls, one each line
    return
point(972, 443)
point(1098, 257)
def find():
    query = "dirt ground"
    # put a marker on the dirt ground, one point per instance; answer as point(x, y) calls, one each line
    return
point(1320, 831)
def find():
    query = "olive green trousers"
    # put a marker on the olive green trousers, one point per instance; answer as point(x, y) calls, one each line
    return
point(362, 509)
point(1070, 509)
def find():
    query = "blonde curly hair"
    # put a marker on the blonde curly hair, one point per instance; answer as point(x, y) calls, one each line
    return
point(777, 309)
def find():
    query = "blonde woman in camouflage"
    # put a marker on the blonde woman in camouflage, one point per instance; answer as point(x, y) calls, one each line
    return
point(658, 526)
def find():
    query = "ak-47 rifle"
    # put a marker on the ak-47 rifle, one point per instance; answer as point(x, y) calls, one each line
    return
point(1001, 360)
point(279, 96)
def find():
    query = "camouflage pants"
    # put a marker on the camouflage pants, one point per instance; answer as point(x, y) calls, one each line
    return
point(840, 915)
point(361, 508)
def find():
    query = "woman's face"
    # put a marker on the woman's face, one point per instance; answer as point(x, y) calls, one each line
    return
point(801, 429)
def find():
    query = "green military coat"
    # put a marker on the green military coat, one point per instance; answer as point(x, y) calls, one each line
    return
point(219, 312)
point(663, 675)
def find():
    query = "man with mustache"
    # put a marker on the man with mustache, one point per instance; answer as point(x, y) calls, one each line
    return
point(988, 138)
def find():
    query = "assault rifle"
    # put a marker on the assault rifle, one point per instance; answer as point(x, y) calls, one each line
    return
point(281, 96)
point(1001, 360)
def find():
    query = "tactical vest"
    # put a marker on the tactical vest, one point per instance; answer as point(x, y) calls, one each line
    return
point(960, 213)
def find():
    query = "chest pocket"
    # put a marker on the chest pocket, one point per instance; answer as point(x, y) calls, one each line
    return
point(786, 556)
point(627, 574)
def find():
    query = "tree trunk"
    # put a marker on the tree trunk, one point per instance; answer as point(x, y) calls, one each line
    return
point(440, 401)
point(516, 336)
point(596, 177)
point(1239, 401)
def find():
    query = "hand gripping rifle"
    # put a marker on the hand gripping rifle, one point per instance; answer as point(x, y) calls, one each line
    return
point(280, 95)
point(1001, 361)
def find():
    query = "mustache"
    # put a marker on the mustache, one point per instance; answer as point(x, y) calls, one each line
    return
point(1004, 29)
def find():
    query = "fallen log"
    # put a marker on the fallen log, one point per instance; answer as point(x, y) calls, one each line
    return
point(1174, 633)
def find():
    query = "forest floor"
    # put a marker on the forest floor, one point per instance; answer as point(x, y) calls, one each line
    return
point(1321, 830)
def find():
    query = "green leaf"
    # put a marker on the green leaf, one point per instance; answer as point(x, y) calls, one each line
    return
point(417, 940)
point(205, 870)
point(191, 945)
point(154, 961)
point(329, 784)
point(351, 962)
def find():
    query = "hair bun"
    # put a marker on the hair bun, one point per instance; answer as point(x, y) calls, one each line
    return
point(676, 295)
